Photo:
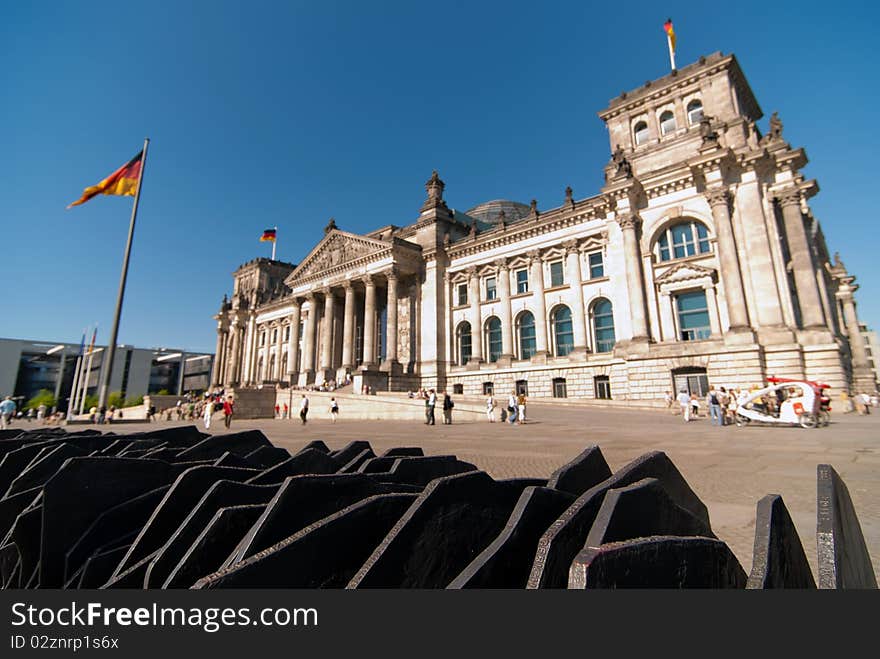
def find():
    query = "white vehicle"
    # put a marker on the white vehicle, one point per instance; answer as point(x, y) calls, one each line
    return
point(787, 402)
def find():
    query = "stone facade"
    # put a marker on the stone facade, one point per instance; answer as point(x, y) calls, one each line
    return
point(699, 260)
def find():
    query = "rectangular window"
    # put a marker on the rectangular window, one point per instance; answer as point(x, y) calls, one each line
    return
point(274, 336)
point(556, 274)
point(693, 316)
point(522, 387)
point(488, 389)
point(262, 338)
point(597, 266)
point(491, 292)
point(559, 390)
point(602, 384)
point(522, 281)
point(462, 294)
point(458, 389)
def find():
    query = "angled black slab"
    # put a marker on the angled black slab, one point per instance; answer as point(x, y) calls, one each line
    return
point(354, 464)
point(844, 561)
point(124, 518)
point(79, 492)
point(641, 510)
point(378, 465)
point(10, 507)
point(213, 545)
point(566, 536)
point(240, 443)
point(176, 436)
point(9, 560)
point(318, 445)
point(421, 471)
point(97, 570)
point(165, 453)
point(454, 519)
point(43, 467)
point(115, 447)
point(325, 554)
point(142, 445)
point(658, 562)
point(15, 579)
point(14, 462)
point(302, 500)
point(307, 461)
point(403, 451)
point(178, 502)
point(268, 456)
point(25, 534)
point(778, 560)
point(132, 577)
point(585, 471)
point(507, 560)
point(350, 451)
point(230, 459)
point(222, 494)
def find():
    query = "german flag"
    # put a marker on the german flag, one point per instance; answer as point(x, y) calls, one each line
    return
point(268, 236)
point(123, 181)
point(670, 32)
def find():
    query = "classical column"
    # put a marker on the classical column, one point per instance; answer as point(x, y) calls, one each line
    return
point(348, 322)
point(719, 200)
point(369, 322)
point(712, 307)
point(801, 260)
point(476, 320)
point(506, 319)
point(247, 368)
point(856, 342)
point(293, 343)
point(391, 320)
point(327, 332)
point(235, 357)
point(218, 357)
point(536, 281)
point(309, 345)
point(579, 320)
point(279, 350)
point(629, 224)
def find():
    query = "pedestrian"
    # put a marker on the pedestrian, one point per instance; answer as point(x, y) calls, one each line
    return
point(228, 411)
point(7, 410)
point(521, 408)
point(866, 402)
point(277, 411)
point(490, 408)
point(695, 406)
point(209, 410)
point(669, 401)
point(447, 409)
point(713, 400)
point(511, 407)
point(41, 413)
point(286, 414)
point(684, 401)
point(334, 409)
point(430, 404)
point(304, 409)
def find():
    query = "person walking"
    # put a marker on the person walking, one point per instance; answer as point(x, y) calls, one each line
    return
point(286, 412)
point(521, 408)
point(669, 401)
point(447, 409)
point(209, 410)
point(228, 411)
point(695, 406)
point(511, 408)
point(684, 401)
point(304, 409)
point(334, 409)
point(430, 404)
point(7, 410)
point(490, 408)
point(277, 411)
point(713, 400)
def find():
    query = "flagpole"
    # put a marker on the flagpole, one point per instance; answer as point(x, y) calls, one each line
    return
point(85, 393)
point(71, 401)
point(671, 52)
point(111, 347)
point(274, 242)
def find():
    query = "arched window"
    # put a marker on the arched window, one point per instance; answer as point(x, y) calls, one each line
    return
point(640, 132)
point(667, 123)
point(463, 338)
point(563, 333)
point(683, 239)
point(493, 338)
point(695, 111)
point(525, 333)
point(603, 325)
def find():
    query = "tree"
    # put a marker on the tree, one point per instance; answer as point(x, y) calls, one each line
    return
point(116, 399)
point(163, 392)
point(43, 397)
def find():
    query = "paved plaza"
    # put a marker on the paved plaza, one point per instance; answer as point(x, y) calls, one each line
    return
point(729, 468)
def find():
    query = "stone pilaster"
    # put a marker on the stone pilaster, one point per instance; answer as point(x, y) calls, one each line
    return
point(578, 316)
point(475, 317)
point(802, 262)
point(348, 321)
point(629, 225)
point(369, 322)
point(862, 374)
point(503, 278)
point(293, 343)
point(307, 375)
point(279, 350)
point(235, 349)
point(326, 364)
point(536, 280)
point(391, 322)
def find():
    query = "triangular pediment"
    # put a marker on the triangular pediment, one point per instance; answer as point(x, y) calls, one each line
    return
point(685, 272)
point(336, 249)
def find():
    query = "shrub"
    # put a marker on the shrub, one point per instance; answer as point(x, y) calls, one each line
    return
point(43, 397)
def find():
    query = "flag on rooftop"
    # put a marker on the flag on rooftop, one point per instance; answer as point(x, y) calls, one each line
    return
point(268, 236)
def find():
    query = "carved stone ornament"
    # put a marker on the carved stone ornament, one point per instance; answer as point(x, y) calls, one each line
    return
point(534, 255)
point(533, 208)
point(330, 226)
point(338, 250)
point(434, 187)
point(569, 199)
point(622, 167)
point(570, 246)
point(709, 134)
point(629, 221)
point(471, 271)
point(718, 197)
point(790, 196)
point(501, 264)
point(775, 127)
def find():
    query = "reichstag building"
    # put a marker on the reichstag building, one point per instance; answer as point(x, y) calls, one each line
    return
point(698, 261)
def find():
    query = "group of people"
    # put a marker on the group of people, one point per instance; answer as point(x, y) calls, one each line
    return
point(514, 413)
point(721, 404)
point(860, 402)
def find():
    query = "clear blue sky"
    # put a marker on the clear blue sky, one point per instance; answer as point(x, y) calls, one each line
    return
point(286, 114)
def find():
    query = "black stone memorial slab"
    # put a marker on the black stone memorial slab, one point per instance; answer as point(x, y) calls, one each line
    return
point(582, 473)
point(778, 560)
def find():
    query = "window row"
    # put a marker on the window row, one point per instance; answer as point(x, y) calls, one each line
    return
point(667, 122)
point(489, 285)
point(561, 334)
point(274, 336)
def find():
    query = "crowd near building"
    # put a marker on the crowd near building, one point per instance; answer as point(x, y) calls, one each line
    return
point(27, 367)
point(698, 261)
